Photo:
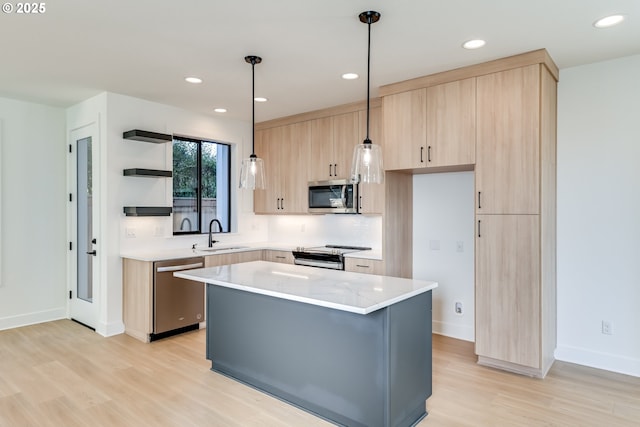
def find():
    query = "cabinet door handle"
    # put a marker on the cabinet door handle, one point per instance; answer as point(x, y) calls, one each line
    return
point(360, 207)
point(330, 174)
point(282, 203)
point(429, 154)
point(479, 229)
point(421, 154)
point(479, 207)
point(335, 169)
point(280, 257)
point(363, 266)
point(278, 203)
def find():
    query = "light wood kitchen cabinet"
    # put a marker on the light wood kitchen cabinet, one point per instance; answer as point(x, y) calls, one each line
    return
point(232, 258)
point(284, 257)
point(371, 195)
point(516, 220)
point(332, 141)
point(508, 289)
point(431, 127)
point(363, 265)
point(405, 129)
point(451, 123)
point(508, 144)
point(284, 150)
point(267, 147)
point(515, 201)
point(137, 298)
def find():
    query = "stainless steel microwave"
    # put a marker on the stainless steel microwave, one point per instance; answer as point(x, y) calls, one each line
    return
point(337, 196)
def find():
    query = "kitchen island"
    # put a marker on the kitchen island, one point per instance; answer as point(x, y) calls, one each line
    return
point(352, 348)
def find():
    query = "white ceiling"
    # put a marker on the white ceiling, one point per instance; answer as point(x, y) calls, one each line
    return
point(145, 48)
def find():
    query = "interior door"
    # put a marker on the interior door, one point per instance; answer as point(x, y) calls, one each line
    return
point(84, 241)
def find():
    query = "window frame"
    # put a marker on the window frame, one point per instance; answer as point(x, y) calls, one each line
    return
point(199, 142)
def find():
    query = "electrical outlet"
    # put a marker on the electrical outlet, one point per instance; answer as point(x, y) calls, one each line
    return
point(458, 308)
point(130, 232)
point(607, 327)
point(159, 232)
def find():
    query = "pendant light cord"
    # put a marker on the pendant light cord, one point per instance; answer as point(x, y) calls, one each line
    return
point(253, 60)
point(367, 140)
point(253, 108)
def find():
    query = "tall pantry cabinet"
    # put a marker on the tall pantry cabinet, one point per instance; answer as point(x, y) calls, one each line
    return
point(515, 178)
point(498, 119)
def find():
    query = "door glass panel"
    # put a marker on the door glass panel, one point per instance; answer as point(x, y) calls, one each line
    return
point(84, 289)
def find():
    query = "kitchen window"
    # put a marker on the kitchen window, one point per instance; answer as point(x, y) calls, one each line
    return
point(201, 185)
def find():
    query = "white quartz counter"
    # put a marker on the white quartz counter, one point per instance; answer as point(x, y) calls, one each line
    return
point(354, 292)
point(168, 254)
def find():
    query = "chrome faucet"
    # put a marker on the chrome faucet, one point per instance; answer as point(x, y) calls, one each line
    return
point(211, 241)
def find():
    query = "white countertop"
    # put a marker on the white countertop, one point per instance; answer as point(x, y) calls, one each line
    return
point(354, 292)
point(168, 254)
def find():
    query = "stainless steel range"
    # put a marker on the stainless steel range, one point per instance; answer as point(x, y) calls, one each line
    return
point(329, 256)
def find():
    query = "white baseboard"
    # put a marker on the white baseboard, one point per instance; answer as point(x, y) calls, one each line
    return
point(465, 333)
point(110, 329)
point(595, 359)
point(11, 322)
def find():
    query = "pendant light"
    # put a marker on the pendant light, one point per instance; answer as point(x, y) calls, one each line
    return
point(367, 157)
point(252, 169)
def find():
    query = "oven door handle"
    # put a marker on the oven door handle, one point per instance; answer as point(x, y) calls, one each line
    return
point(321, 264)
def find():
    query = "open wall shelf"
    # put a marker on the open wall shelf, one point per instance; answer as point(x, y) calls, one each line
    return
point(153, 173)
point(147, 210)
point(146, 136)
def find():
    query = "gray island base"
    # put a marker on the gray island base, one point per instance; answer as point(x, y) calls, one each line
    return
point(351, 369)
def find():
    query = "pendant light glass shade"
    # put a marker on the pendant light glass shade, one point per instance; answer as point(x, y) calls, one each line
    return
point(252, 173)
point(367, 157)
point(252, 169)
point(367, 164)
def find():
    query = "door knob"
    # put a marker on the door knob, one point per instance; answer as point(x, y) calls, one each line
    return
point(93, 252)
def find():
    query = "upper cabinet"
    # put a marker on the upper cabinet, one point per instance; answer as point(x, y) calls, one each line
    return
point(451, 123)
point(315, 146)
point(508, 142)
point(285, 152)
point(430, 127)
point(405, 129)
point(332, 142)
point(371, 195)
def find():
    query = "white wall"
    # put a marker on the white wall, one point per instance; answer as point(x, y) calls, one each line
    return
point(320, 230)
point(33, 281)
point(599, 214)
point(442, 218)
point(116, 114)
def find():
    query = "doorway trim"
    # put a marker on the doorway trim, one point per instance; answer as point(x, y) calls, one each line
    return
point(84, 313)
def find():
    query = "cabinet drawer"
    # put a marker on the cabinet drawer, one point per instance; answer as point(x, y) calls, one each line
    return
point(361, 265)
point(285, 257)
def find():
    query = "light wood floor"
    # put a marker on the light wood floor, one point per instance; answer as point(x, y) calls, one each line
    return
point(62, 374)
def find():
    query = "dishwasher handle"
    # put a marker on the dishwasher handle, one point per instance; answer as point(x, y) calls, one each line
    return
point(179, 267)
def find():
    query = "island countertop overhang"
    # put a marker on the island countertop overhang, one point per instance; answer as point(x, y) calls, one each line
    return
point(347, 291)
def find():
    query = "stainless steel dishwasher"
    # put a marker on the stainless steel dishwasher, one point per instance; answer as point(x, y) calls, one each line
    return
point(178, 304)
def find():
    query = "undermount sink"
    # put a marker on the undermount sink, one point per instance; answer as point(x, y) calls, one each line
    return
point(226, 248)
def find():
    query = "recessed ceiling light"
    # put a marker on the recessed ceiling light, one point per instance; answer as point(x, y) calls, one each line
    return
point(608, 21)
point(193, 79)
point(220, 110)
point(473, 44)
point(350, 76)
point(260, 99)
